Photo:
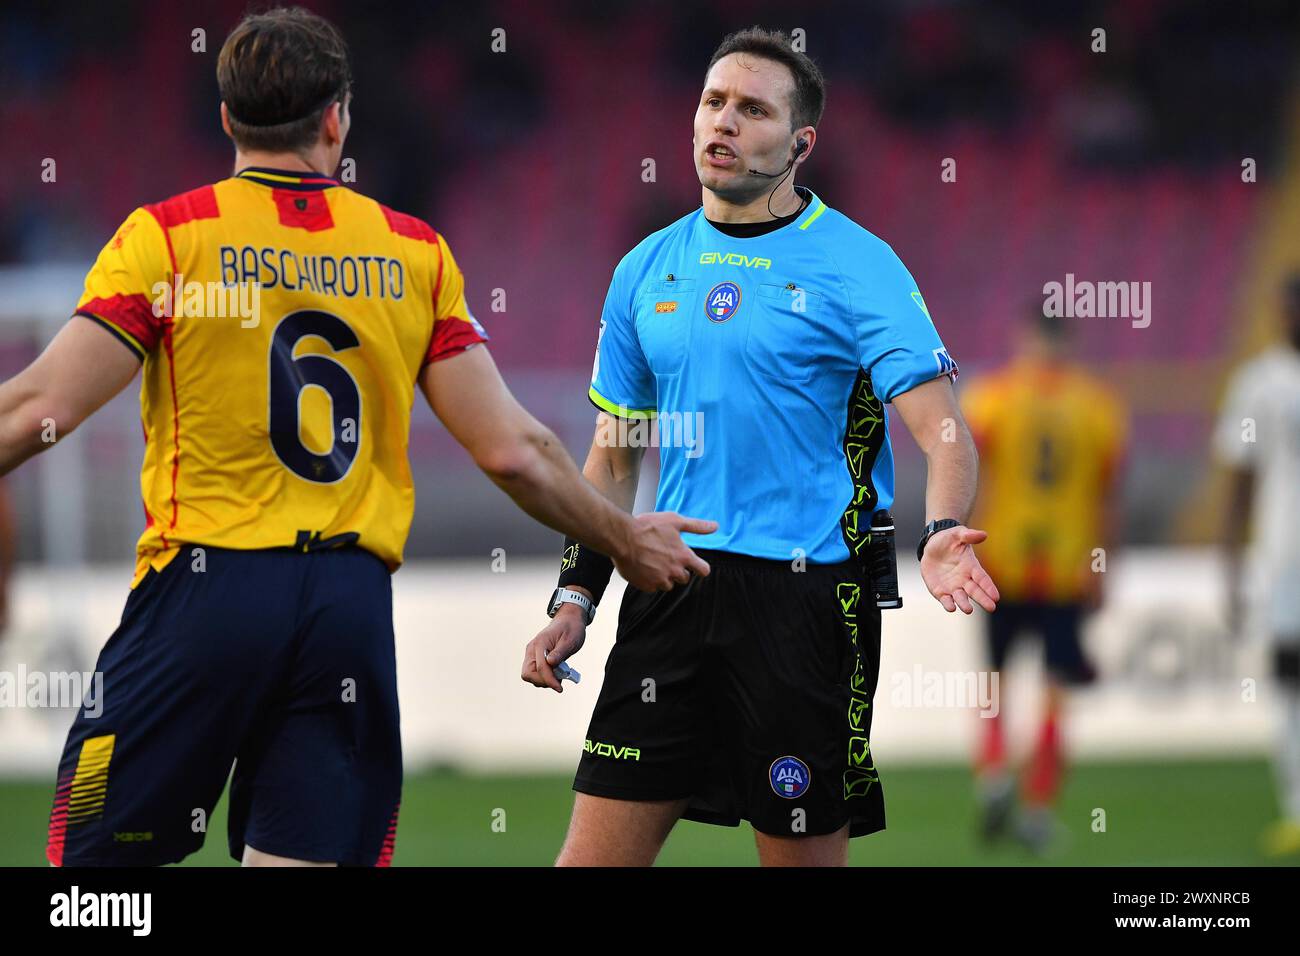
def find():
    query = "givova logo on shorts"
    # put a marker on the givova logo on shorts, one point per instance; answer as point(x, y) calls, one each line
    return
point(609, 750)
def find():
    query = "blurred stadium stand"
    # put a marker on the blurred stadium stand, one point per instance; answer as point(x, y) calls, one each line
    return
point(1115, 167)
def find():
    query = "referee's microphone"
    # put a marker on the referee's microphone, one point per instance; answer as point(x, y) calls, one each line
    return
point(799, 147)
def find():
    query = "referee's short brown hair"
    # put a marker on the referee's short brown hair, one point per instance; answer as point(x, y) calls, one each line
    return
point(809, 97)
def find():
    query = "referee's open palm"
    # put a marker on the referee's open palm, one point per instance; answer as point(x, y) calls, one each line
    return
point(953, 574)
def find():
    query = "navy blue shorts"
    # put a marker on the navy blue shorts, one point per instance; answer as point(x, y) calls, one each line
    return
point(277, 662)
point(1058, 626)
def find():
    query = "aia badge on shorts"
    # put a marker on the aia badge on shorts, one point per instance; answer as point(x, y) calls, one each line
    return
point(790, 777)
point(722, 301)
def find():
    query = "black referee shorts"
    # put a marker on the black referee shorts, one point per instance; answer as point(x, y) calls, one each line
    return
point(749, 692)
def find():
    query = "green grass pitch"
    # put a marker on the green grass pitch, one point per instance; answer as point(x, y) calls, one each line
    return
point(1184, 813)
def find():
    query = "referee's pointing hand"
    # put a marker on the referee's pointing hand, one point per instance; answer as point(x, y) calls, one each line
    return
point(953, 574)
point(656, 558)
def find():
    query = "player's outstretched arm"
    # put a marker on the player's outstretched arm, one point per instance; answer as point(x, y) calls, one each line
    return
point(81, 369)
point(525, 459)
point(949, 567)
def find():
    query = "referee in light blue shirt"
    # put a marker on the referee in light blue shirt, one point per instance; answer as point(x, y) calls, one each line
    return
point(766, 332)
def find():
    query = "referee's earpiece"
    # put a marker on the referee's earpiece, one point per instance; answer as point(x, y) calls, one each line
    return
point(800, 147)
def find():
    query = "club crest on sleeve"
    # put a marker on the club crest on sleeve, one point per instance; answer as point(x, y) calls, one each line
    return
point(789, 777)
point(722, 301)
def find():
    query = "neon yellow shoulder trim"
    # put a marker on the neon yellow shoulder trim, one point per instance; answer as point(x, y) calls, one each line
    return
point(618, 411)
point(821, 208)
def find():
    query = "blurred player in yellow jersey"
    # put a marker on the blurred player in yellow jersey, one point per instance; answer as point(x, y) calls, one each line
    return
point(1050, 438)
point(283, 323)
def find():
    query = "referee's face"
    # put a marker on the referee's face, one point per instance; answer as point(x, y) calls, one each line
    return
point(743, 123)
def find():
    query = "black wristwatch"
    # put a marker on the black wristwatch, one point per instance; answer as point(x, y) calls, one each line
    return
point(933, 528)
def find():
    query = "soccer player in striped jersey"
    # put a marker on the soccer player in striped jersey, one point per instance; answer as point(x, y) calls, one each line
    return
point(283, 323)
point(1051, 438)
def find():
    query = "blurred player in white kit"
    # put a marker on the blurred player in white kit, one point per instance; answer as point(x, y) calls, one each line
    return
point(1259, 439)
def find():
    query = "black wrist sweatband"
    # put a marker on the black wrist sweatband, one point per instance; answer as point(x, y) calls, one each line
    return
point(585, 568)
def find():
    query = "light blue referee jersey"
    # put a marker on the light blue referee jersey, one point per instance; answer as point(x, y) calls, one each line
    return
point(767, 363)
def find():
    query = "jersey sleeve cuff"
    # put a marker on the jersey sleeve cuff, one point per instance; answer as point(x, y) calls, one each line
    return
point(946, 368)
point(125, 338)
point(451, 336)
point(618, 411)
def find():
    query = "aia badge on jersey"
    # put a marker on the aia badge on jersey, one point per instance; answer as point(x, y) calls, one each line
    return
point(722, 301)
point(790, 777)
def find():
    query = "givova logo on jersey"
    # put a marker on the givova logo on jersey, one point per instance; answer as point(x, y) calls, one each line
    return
point(722, 301)
point(789, 777)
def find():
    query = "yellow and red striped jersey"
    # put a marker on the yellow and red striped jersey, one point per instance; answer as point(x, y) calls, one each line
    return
point(1050, 439)
point(283, 321)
